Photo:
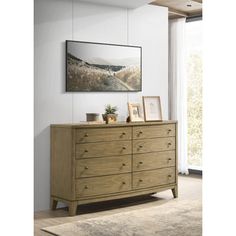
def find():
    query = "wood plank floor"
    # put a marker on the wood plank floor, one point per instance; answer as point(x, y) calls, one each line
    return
point(190, 187)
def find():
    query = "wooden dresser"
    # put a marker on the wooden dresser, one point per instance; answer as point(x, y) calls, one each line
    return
point(92, 163)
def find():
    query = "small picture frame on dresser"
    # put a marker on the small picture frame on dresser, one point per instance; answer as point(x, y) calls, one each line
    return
point(152, 108)
point(135, 112)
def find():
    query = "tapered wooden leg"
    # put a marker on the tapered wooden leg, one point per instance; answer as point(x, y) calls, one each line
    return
point(72, 208)
point(175, 191)
point(53, 204)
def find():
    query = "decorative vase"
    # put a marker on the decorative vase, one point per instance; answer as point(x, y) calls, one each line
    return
point(109, 118)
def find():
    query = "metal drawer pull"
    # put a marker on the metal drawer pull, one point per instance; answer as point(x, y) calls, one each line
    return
point(123, 183)
point(86, 135)
point(169, 130)
point(123, 148)
point(140, 162)
point(169, 144)
point(123, 164)
point(140, 180)
point(85, 167)
point(140, 146)
point(85, 150)
point(140, 132)
point(86, 187)
point(123, 133)
point(169, 159)
point(169, 176)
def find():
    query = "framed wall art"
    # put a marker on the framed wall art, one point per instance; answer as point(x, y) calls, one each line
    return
point(101, 67)
point(135, 112)
point(152, 108)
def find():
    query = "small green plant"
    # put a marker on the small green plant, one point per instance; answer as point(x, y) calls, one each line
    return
point(110, 110)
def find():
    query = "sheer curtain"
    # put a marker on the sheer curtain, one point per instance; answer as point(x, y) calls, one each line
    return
point(178, 87)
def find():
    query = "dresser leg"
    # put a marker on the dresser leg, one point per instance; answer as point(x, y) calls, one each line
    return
point(72, 208)
point(53, 204)
point(175, 191)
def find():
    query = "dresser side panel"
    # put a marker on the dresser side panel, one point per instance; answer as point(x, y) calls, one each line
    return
point(62, 172)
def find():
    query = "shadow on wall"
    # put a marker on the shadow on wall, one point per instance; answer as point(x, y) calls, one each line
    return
point(42, 169)
point(63, 67)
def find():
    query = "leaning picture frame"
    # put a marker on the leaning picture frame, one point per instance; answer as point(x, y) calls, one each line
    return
point(152, 108)
point(135, 112)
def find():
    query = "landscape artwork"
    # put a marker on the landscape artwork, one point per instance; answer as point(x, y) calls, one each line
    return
point(102, 67)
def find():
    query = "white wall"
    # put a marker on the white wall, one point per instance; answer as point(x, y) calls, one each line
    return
point(146, 26)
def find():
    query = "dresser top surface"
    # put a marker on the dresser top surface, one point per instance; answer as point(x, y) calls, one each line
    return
point(117, 124)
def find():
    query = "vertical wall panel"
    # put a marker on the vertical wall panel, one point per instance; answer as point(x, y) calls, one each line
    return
point(148, 27)
point(106, 24)
point(52, 104)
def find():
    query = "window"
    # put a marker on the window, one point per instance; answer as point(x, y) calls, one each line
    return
point(194, 92)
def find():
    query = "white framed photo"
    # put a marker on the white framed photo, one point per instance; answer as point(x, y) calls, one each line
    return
point(152, 108)
point(135, 112)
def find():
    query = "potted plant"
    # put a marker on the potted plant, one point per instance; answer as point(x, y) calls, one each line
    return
point(110, 115)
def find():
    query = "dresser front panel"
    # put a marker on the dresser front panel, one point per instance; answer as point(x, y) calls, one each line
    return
point(103, 134)
point(92, 163)
point(153, 145)
point(102, 149)
point(153, 131)
point(154, 160)
point(103, 166)
point(151, 178)
point(103, 185)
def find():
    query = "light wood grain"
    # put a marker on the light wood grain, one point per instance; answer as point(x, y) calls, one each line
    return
point(118, 124)
point(180, 8)
point(153, 178)
point(153, 145)
point(103, 134)
point(103, 185)
point(61, 159)
point(143, 132)
point(120, 195)
point(103, 166)
point(72, 208)
point(153, 160)
point(102, 149)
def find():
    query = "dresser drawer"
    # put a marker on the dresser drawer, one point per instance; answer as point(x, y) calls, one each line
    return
point(102, 149)
point(103, 185)
point(153, 145)
point(103, 166)
point(153, 131)
point(152, 178)
point(103, 134)
point(155, 160)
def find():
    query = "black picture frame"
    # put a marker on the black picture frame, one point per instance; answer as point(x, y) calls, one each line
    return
point(109, 44)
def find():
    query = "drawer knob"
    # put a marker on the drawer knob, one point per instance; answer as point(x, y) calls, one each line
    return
point(86, 135)
point(140, 146)
point(140, 180)
point(169, 130)
point(123, 183)
point(140, 132)
point(85, 150)
point(169, 176)
point(123, 148)
point(169, 159)
point(86, 187)
point(169, 144)
point(85, 167)
point(123, 164)
point(140, 162)
point(123, 133)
